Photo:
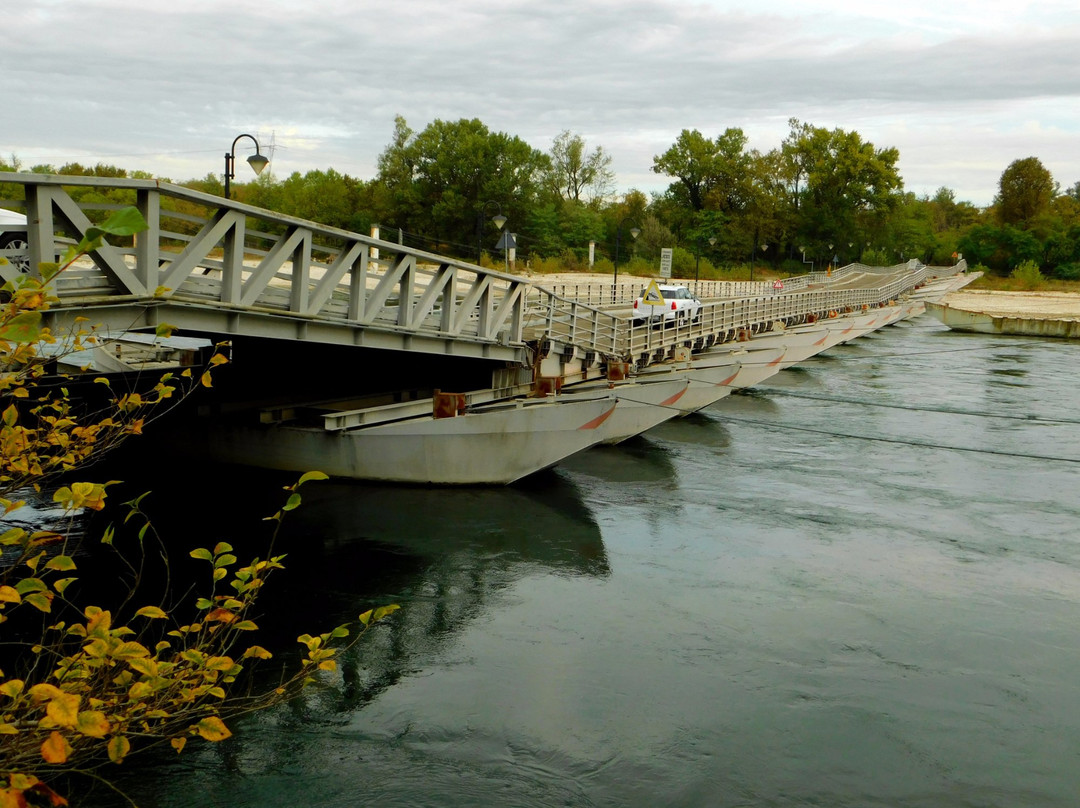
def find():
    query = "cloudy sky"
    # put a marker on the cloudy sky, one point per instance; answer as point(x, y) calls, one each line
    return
point(960, 88)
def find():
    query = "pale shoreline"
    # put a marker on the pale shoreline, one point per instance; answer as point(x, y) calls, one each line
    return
point(1031, 305)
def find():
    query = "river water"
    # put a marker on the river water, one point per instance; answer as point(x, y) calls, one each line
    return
point(851, 587)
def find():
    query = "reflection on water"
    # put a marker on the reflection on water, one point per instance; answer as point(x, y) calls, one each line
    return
point(726, 611)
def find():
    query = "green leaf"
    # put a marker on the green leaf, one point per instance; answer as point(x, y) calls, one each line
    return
point(23, 327)
point(40, 601)
point(28, 585)
point(312, 475)
point(293, 503)
point(124, 222)
point(153, 612)
point(164, 330)
point(202, 553)
point(61, 563)
point(48, 269)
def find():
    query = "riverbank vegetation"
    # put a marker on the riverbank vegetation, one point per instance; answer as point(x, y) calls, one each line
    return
point(819, 197)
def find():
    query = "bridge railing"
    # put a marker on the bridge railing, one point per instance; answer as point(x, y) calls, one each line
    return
point(204, 250)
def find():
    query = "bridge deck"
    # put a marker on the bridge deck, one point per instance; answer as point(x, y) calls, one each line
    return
point(212, 266)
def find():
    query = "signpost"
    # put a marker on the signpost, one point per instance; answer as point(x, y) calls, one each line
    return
point(665, 262)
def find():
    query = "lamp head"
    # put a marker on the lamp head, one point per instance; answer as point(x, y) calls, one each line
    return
point(499, 220)
point(258, 162)
point(635, 232)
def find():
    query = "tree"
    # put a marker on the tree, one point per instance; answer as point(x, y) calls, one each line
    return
point(1025, 191)
point(710, 172)
point(841, 187)
point(574, 170)
point(437, 181)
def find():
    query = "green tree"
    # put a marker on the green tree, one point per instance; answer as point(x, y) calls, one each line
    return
point(575, 171)
point(1026, 189)
point(839, 186)
point(710, 173)
point(438, 180)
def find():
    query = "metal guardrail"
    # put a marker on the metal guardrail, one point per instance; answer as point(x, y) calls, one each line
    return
point(204, 251)
point(232, 268)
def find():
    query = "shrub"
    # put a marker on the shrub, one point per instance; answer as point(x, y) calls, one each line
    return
point(84, 682)
point(1028, 275)
point(1067, 272)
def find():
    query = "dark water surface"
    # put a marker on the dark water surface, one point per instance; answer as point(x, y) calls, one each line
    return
point(754, 606)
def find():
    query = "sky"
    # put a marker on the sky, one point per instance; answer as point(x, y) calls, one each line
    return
point(960, 88)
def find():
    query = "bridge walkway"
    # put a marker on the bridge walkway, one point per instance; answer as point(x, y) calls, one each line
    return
point(214, 266)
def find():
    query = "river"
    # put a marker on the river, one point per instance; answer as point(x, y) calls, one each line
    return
point(856, 586)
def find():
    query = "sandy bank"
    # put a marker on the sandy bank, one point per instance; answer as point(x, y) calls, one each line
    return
point(1034, 305)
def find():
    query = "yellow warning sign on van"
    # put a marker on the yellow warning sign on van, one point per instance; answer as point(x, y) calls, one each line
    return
point(652, 296)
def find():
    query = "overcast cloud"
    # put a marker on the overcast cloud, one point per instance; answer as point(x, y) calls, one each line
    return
point(960, 88)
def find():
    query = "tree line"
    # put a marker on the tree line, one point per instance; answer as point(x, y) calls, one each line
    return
point(821, 196)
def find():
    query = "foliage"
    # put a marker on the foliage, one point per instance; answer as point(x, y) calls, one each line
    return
point(1028, 274)
point(87, 683)
point(827, 191)
point(1026, 188)
point(438, 181)
point(1067, 272)
point(574, 171)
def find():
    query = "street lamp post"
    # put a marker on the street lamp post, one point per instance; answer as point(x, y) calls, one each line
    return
point(634, 233)
point(498, 219)
point(257, 161)
point(697, 258)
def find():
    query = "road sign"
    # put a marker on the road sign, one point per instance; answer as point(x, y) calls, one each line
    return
point(665, 262)
point(652, 296)
point(506, 241)
point(778, 285)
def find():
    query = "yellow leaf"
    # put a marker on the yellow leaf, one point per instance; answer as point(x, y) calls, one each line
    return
point(8, 729)
point(130, 650)
point(12, 688)
point(213, 728)
point(178, 744)
point(93, 724)
point(145, 666)
point(258, 652)
point(42, 601)
point(152, 612)
point(118, 747)
point(56, 748)
point(139, 690)
point(64, 709)
point(9, 595)
point(205, 381)
point(328, 665)
point(220, 615)
point(61, 563)
point(44, 692)
point(219, 663)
